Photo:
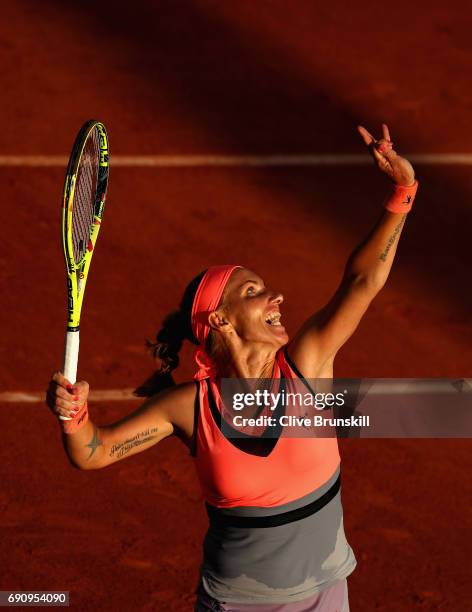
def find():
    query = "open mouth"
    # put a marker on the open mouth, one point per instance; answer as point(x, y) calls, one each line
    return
point(273, 318)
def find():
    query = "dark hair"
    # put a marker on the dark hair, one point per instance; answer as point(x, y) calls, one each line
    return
point(176, 327)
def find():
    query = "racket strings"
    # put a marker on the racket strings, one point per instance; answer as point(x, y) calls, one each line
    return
point(85, 195)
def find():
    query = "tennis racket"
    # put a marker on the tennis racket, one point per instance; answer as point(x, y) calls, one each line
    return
point(85, 189)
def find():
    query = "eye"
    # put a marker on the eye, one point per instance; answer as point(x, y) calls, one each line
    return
point(251, 290)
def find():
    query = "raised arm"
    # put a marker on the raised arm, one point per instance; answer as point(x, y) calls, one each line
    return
point(94, 447)
point(365, 273)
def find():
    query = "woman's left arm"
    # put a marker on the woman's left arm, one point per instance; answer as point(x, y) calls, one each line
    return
point(366, 272)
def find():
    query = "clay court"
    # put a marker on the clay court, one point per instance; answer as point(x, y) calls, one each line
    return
point(182, 80)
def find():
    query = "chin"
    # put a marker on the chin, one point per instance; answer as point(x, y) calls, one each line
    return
point(285, 340)
point(281, 336)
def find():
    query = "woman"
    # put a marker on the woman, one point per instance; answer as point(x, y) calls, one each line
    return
point(276, 540)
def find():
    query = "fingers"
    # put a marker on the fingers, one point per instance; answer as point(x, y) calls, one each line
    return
point(385, 132)
point(60, 406)
point(383, 144)
point(60, 379)
point(388, 152)
point(81, 390)
point(381, 150)
point(366, 136)
point(383, 153)
point(64, 407)
point(384, 147)
point(65, 399)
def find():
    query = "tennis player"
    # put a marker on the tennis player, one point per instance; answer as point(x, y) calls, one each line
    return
point(275, 540)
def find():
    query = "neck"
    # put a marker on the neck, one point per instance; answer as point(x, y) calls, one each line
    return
point(250, 361)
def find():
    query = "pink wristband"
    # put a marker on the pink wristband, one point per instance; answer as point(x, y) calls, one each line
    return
point(79, 421)
point(401, 199)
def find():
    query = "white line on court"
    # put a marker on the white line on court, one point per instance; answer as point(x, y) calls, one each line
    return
point(201, 161)
point(374, 387)
point(99, 395)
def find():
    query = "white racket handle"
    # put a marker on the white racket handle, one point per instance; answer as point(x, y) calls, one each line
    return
point(71, 358)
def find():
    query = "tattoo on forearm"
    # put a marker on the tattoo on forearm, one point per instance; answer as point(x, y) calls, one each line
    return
point(391, 240)
point(123, 448)
point(94, 443)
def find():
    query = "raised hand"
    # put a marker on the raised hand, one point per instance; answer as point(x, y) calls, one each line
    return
point(397, 168)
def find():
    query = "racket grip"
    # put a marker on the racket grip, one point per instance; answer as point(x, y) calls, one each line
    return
point(71, 358)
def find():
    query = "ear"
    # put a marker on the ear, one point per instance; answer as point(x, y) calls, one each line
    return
point(218, 321)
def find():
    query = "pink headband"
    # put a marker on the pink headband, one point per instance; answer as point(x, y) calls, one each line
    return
point(207, 298)
point(206, 301)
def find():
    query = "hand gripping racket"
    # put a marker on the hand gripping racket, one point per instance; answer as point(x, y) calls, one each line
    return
point(84, 200)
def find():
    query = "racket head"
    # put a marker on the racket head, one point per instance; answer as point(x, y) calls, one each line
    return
point(85, 189)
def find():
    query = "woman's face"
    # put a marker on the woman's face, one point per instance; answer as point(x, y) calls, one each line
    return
point(253, 309)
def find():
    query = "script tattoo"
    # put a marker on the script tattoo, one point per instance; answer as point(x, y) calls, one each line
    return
point(123, 448)
point(94, 443)
point(391, 240)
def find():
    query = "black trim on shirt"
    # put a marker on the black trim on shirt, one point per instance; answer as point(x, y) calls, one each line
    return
point(217, 518)
point(261, 445)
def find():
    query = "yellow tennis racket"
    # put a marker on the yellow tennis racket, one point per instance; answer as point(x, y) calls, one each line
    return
point(85, 189)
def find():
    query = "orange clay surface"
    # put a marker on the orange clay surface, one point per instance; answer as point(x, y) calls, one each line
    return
point(230, 78)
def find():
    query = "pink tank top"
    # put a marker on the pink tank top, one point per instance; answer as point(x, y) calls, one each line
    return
point(231, 477)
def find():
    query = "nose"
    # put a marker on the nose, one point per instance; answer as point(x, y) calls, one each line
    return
point(276, 298)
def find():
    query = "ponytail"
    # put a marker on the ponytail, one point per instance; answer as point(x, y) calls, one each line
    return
point(176, 327)
point(169, 340)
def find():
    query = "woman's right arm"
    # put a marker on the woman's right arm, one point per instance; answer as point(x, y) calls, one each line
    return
point(94, 447)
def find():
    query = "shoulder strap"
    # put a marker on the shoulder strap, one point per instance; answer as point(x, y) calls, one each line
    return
point(296, 371)
point(196, 413)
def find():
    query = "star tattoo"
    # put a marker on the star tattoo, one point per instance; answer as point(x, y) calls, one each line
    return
point(94, 443)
